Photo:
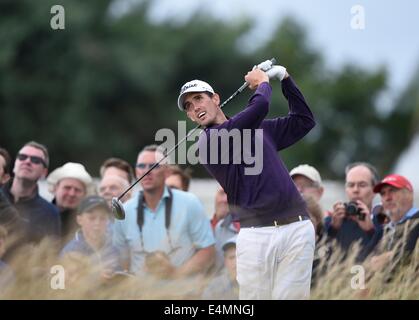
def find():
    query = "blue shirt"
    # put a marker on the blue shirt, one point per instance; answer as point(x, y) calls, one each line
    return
point(107, 257)
point(409, 214)
point(189, 230)
point(267, 192)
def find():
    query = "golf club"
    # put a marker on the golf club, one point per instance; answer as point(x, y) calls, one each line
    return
point(117, 206)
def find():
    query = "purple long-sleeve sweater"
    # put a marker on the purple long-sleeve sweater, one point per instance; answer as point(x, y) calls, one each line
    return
point(266, 192)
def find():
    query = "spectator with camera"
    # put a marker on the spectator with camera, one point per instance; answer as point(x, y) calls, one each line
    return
point(351, 221)
point(164, 225)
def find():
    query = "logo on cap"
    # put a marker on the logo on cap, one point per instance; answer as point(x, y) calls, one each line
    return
point(187, 86)
point(193, 86)
point(396, 181)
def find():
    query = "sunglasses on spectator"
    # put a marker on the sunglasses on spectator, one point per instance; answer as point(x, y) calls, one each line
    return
point(147, 165)
point(33, 159)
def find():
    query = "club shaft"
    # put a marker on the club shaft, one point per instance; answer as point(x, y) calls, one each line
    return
point(161, 160)
point(239, 90)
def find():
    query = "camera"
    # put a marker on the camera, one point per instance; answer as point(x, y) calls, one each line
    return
point(352, 210)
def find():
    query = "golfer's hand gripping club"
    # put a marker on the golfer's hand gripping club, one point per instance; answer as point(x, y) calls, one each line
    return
point(277, 72)
point(117, 206)
point(265, 66)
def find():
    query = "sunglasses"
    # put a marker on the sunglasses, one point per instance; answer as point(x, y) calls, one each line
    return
point(33, 159)
point(147, 165)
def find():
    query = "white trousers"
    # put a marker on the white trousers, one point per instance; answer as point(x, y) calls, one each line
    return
point(275, 262)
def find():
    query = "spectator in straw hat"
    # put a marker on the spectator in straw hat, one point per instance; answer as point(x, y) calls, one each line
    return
point(69, 185)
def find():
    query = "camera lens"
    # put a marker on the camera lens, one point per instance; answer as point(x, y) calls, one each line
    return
point(351, 208)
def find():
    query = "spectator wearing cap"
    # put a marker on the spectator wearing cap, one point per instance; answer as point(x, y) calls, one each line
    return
point(344, 227)
point(225, 285)
point(401, 233)
point(38, 217)
point(91, 239)
point(69, 185)
point(308, 181)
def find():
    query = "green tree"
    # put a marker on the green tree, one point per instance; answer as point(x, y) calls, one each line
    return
point(104, 85)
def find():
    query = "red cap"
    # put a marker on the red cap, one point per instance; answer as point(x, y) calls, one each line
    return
point(394, 180)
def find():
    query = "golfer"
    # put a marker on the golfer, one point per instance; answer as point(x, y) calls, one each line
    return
point(275, 244)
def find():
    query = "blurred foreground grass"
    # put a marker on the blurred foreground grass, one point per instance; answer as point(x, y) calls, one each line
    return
point(35, 279)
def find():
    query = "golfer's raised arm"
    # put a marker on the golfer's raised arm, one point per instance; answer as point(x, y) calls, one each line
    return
point(257, 109)
point(287, 130)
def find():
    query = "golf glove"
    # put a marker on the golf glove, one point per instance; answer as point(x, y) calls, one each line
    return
point(265, 65)
point(276, 72)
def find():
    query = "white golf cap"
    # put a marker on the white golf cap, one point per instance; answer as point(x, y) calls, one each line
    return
point(307, 171)
point(192, 86)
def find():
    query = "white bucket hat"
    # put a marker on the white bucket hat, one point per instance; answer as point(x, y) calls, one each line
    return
point(70, 170)
point(192, 86)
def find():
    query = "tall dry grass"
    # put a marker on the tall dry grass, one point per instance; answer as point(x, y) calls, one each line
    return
point(349, 279)
point(82, 281)
point(36, 278)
